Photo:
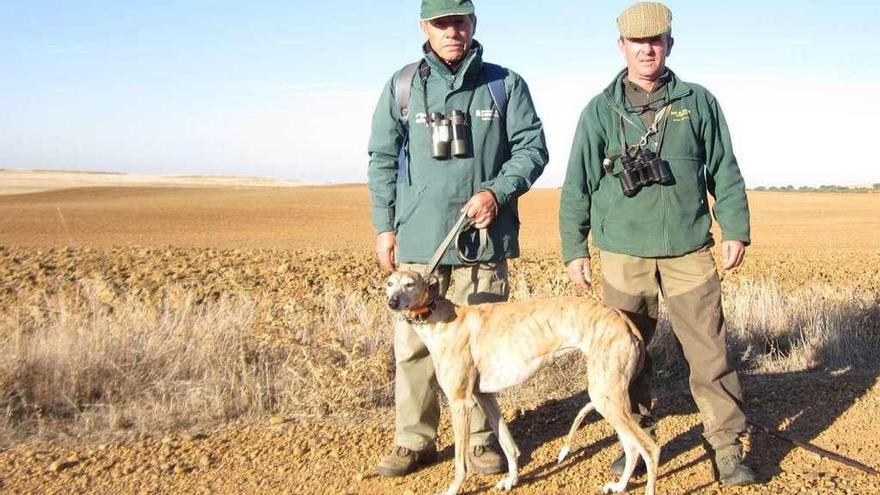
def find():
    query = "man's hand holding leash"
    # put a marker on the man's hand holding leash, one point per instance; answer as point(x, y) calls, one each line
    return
point(481, 209)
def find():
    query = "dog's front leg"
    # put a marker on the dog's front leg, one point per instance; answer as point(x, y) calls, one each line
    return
point(461, 413)
point(489, 405)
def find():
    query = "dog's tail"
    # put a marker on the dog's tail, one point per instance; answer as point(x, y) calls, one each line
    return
point(638, 340)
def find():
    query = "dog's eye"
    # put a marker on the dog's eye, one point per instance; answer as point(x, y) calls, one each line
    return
point(389, 284)
point(409, 285)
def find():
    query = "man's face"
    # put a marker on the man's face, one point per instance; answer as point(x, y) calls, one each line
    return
point(646, 57)
point(450, 37)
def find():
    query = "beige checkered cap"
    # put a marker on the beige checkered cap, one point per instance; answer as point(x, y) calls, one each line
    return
point(644, 20)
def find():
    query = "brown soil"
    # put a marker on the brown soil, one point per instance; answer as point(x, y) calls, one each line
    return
point(334, 217)
point(799, 237)
point(305, 456)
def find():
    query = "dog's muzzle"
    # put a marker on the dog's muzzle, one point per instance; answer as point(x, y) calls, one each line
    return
point(394, 302)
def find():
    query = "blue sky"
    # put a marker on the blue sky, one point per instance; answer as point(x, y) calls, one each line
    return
point(286, 89)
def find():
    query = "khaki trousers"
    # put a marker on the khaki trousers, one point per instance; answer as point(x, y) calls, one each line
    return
point(692, 291)
point(416, 406)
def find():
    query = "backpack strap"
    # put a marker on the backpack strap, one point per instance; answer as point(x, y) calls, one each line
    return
point(495, 75)
point(403, 88)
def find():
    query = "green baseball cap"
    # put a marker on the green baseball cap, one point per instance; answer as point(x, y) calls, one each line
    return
point(433, 9)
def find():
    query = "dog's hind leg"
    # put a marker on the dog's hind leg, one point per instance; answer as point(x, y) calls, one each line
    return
point(631, 453)
point(493, 413)
point(650, 452)
point(566, 447)
point(611, 398)
point(635, 443)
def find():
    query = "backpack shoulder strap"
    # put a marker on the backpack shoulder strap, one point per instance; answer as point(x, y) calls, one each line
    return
point(403, 88)
point(495, 75)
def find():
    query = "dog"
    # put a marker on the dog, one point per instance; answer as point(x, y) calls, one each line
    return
point(482, 349)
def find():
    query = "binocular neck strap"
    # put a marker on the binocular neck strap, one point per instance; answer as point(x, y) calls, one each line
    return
point(424, 73)
point(666, 110)
point(661, 115)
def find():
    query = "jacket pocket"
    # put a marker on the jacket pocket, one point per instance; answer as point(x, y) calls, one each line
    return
point(407, 201)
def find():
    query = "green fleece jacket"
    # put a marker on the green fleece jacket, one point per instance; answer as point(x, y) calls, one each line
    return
point(660, 220)
point(422, 203)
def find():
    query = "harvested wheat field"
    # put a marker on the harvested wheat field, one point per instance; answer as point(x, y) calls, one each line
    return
point(231, 338)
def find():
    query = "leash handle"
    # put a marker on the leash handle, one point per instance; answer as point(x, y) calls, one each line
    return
point(481, 249)
point(462, 225)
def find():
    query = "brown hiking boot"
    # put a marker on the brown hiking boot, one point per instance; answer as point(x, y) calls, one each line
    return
point(731, 469)
point(486, 460)
point(402, 461)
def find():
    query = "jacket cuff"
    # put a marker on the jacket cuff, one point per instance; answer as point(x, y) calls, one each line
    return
point(501, 197)
point(742, 237)
point(574, 252)
point(383, 220)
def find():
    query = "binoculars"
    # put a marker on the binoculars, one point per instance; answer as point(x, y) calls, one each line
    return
point(449, 136)
point(644, 169)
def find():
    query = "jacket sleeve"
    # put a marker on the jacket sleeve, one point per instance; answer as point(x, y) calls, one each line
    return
point(723, 179)
point(581, 179)
point(386, 137)
point(528, 148)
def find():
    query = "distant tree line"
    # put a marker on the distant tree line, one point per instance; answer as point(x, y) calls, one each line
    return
point(824, 188)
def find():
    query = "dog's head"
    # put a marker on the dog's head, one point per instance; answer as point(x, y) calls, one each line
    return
point(411, 291)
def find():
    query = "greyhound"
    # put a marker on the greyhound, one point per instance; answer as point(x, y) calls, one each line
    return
point(482, 349)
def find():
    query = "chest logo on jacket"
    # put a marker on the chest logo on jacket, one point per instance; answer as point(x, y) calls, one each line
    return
point(680, 115)
point(487, 114)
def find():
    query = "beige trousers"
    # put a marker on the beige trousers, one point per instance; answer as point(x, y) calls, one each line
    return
point(692, 291)
point(416, 407)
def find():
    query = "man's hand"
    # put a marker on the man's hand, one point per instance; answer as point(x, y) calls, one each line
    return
point(579, 272)
point(386, 251)
point(481, 208)
point(732, 254)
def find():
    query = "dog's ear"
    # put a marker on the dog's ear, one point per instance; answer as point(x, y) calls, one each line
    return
point(433, 285)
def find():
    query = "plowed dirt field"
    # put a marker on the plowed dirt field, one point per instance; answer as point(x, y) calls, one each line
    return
point(278, 244)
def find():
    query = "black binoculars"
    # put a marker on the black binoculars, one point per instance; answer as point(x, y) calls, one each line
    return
point(449, 136)
point(644, 169)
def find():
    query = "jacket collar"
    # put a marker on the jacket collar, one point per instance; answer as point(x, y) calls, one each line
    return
point(471, 64)
point(616, 96)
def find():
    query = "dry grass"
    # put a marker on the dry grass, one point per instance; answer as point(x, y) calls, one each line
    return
point(88, 363)
point(99, 366)
point(817, 327)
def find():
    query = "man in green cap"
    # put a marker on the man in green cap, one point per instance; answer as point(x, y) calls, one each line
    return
point(465, 139)
point(646, 152)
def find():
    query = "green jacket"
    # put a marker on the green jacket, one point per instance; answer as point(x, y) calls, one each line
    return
point(422, 204)
point(660, 220)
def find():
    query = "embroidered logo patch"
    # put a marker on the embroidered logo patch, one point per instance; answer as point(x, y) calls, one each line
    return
point(487, 114)
point(680, 115)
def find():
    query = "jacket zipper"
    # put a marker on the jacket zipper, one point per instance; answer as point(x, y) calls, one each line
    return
point(662, 195)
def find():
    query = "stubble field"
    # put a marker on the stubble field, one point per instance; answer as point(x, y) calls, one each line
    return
point(231, 339)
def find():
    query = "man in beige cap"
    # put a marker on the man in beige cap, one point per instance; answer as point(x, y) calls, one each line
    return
point(647, 152)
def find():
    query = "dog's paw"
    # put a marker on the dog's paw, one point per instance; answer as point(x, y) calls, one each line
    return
point(506, 484)
point(563, 453)
point(613, 488)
